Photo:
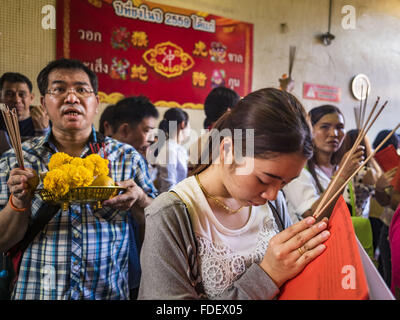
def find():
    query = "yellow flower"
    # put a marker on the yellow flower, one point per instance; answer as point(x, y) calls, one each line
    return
point(88, 164)
point(58, 159)
point(100, 164)
point(66, 168)
point(79, 176)
point(77, 162)
point(56, 182)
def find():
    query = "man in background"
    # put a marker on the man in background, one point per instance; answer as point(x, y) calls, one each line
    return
point(106, 118)
point(218, 101)
point(16, 93)
point(132, 121)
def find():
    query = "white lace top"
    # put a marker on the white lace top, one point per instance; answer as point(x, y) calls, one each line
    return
point(225, 254)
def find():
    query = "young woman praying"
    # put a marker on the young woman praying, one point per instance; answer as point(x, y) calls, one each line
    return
point(224, 232)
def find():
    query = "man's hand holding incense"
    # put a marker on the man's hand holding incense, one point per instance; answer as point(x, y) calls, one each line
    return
point(18, 184)
point(292, 249)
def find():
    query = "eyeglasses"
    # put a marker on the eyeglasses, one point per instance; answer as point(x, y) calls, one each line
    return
point(62, 92)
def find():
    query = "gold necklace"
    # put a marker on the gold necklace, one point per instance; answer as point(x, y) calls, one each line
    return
point(217, 201)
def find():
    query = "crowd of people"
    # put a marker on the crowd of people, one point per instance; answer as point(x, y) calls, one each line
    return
point(236, 226)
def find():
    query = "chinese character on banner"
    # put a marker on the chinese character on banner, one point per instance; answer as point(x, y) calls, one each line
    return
point(139, 39)
point(139, 73)
point(199, 79)
point(200, 49)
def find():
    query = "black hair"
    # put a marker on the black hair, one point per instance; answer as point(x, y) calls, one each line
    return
point(174, 114)
point(71, 64)
point(393, 140)
point(106, 115)
point(133, 110)
point(315, 115)
point(217, 102)
point(14, 77)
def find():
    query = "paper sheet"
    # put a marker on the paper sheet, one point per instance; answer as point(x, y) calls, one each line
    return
point(378, 290)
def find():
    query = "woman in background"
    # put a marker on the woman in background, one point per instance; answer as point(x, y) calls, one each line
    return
point(172, 159)
point(304, 193)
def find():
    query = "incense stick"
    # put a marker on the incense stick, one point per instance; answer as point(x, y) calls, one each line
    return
point(11, 121)
point(355, 172)
point(365, 103)
point(361, 135)
point(357, 113)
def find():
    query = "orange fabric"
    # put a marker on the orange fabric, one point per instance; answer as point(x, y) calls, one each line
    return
point(328, 277)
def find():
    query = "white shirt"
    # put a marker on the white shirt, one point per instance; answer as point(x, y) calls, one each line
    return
point(302, 192)
point(172, 165)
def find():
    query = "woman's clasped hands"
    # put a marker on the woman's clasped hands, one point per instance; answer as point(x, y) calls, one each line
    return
point(292, 249)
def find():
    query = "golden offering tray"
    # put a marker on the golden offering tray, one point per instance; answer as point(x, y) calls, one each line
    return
point(81, 195)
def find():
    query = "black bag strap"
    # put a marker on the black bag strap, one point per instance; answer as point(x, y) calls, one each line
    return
point(44, 215)
point(277, 217)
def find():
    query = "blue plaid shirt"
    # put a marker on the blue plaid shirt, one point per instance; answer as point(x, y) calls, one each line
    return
point(81, 253)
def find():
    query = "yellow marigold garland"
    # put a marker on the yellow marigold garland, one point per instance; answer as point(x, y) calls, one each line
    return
point(67, 172)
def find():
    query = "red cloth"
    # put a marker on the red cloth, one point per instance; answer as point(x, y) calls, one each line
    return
point(134, 54)
point(394, 240)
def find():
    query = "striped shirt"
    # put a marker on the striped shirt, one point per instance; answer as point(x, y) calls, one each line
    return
point(82, 253)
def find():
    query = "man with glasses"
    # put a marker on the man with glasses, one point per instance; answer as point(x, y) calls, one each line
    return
point(81, 253)
point(16, 93)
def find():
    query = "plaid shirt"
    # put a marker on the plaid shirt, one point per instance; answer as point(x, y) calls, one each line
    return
point(81, 253)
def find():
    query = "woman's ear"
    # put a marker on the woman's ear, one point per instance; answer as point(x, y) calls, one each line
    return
point(226, 150)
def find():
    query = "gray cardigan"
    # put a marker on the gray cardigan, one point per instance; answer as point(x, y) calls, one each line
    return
point(169, 257)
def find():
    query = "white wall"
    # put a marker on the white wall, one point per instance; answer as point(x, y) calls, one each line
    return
point(372, 48)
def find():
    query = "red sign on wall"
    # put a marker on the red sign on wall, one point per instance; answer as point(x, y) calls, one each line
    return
point(321, 92)
point(173, 56)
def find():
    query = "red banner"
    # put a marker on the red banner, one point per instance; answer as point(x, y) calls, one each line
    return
point(173, 56)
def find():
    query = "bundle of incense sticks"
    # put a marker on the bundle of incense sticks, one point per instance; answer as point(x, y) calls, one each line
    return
point(359, 115)
point(11, 120)
point(359, 112)
point(364, 128)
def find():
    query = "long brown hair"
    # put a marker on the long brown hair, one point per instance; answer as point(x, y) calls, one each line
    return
point(279, 122)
